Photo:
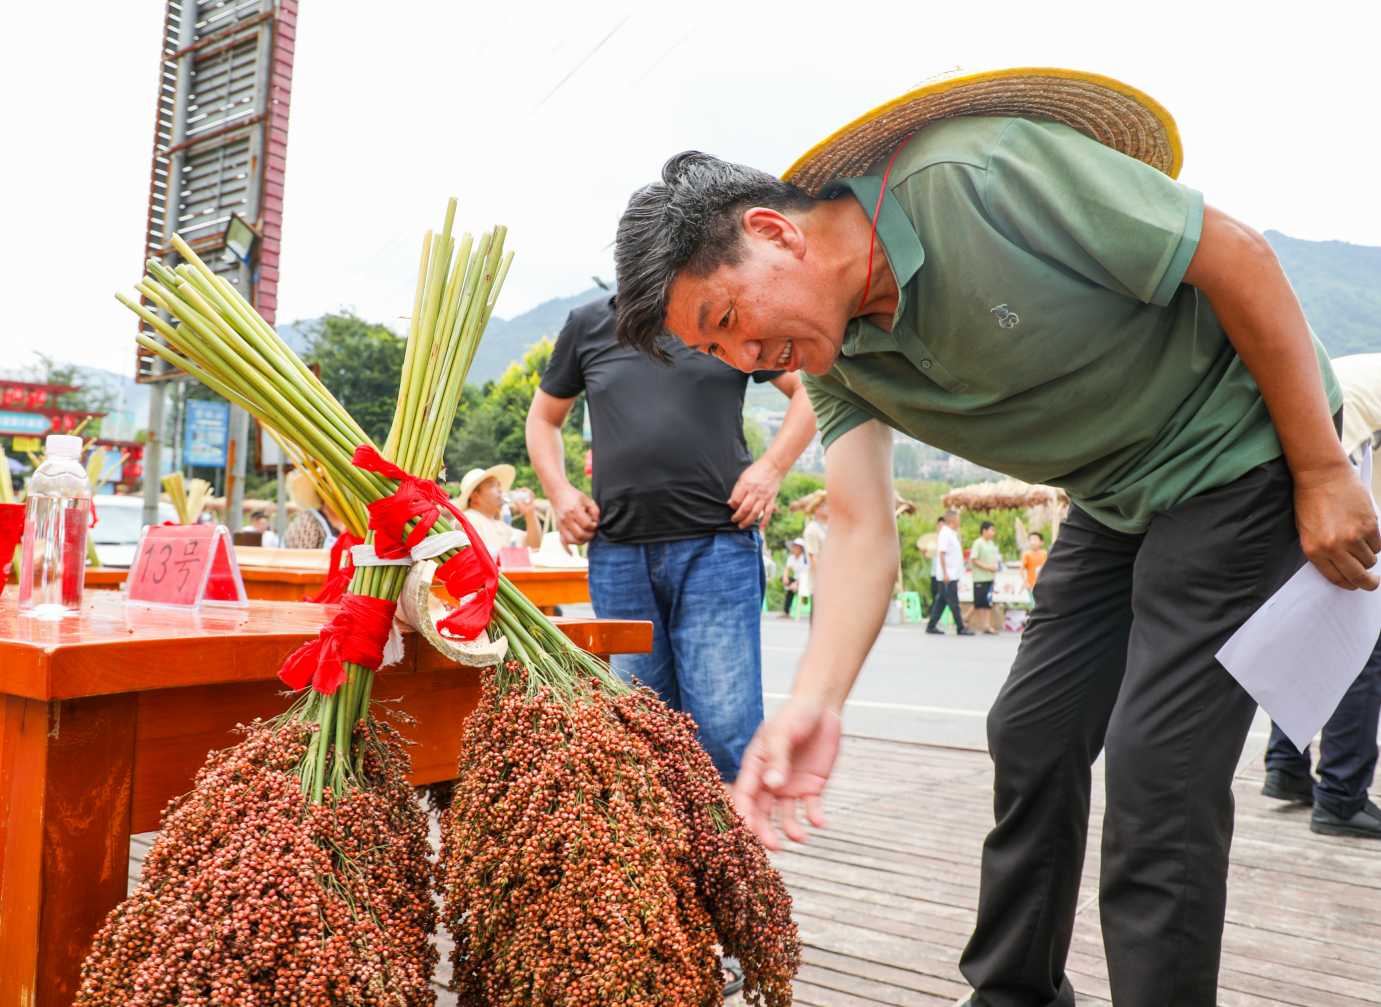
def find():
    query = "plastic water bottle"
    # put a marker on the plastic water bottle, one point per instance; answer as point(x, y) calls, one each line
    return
point(57, 513)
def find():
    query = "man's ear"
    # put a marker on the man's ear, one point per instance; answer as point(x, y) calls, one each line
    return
point(766, 224)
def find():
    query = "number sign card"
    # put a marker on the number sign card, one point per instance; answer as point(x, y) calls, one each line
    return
point(185, 566)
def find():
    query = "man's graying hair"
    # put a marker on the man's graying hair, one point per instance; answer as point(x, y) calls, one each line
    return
point(689, 220)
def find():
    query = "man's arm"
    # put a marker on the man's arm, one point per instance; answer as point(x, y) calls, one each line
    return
point(577, 516)
point(1237, 270)
point(755, 493)
point(792, 754)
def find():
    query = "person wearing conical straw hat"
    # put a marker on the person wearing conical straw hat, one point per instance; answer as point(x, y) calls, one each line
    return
point(482, 498)
point(1003, 266)
point(316, 525)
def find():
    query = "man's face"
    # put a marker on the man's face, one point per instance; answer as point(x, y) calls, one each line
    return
point(261, 523)
point(1034, 542)
point(988, 533)
point(773, 310)
point(488, 497)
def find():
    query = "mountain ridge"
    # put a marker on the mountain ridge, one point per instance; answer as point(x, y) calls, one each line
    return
point(1338, 284)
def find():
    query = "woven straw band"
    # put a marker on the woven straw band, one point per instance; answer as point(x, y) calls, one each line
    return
point(1110, 112)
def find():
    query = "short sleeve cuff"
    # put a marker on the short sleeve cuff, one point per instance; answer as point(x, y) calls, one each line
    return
point(558, 389)
point(1189, 242)
point(841, 427)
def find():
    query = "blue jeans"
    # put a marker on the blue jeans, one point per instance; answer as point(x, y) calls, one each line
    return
point(703, 596)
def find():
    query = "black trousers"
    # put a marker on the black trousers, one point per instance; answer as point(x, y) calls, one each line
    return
point(947, 593)
point(1347, 751)
point(1118, 658)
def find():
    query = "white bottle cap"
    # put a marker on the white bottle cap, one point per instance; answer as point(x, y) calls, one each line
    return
point(63, 446)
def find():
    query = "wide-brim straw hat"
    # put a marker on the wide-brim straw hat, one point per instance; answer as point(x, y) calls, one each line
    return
point(505, 474)
point(301, 490)
point(1115, 114)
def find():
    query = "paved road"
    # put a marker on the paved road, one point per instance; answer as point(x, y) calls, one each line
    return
point(916, 687)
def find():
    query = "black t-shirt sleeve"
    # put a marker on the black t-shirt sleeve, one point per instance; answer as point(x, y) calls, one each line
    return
point(562, 377)
point(760, 376)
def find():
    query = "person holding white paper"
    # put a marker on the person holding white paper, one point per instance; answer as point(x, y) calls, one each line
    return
point(1348, 749)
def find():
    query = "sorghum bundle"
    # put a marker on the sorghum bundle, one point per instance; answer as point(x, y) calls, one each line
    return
point(743, 892)
point(252, 895)
point(590, 840)
point(296, 870)
point(562, 862)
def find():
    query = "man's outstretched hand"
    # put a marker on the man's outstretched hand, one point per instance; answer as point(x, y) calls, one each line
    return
point(785, 768)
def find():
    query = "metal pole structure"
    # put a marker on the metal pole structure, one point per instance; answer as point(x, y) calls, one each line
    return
point(239, 419)
point(237, 455)
point(153, 450)
point(158, 390)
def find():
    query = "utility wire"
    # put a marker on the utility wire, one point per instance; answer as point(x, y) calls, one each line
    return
point(598, 45)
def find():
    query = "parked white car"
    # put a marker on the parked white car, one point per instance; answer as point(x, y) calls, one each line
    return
point(119, 520)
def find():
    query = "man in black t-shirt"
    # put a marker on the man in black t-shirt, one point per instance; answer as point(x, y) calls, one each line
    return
point(677, 510)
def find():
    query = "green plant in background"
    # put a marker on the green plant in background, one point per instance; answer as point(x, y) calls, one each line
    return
point(360, 363)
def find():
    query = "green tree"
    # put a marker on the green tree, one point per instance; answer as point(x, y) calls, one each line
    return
point(360, 363)
point(755, 436)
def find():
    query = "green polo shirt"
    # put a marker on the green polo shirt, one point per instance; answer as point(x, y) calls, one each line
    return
point(984, 551)
point(1043, 329)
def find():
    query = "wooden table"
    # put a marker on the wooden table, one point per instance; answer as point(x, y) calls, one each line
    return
point(545, 588)
point(108, 715)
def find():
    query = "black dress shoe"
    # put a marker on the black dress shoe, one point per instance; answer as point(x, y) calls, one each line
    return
point(1286, 787)
point(964, 632)
point(1366, 823)
point(935, 632)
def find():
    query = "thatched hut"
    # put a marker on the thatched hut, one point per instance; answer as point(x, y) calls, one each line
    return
point(1005, 494)
point(1042, 503)
point(811, 501)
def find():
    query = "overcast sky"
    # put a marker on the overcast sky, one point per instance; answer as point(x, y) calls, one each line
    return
point(536, 116)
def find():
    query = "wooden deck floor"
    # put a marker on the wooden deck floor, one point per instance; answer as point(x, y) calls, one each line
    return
point(885, 897)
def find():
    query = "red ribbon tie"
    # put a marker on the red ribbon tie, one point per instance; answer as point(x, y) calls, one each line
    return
point(338, 576)
point(472, 578)
point(417, 498)
point(471, 575)
point(357, 634)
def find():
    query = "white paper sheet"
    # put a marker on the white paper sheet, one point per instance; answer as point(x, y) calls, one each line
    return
point(1304, 648)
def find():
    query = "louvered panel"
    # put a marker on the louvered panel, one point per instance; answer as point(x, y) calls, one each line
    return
point(213, 152)
point(218, 15)
point(223, 88)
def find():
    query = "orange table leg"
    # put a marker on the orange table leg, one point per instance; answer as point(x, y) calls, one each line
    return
point(65, 786)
